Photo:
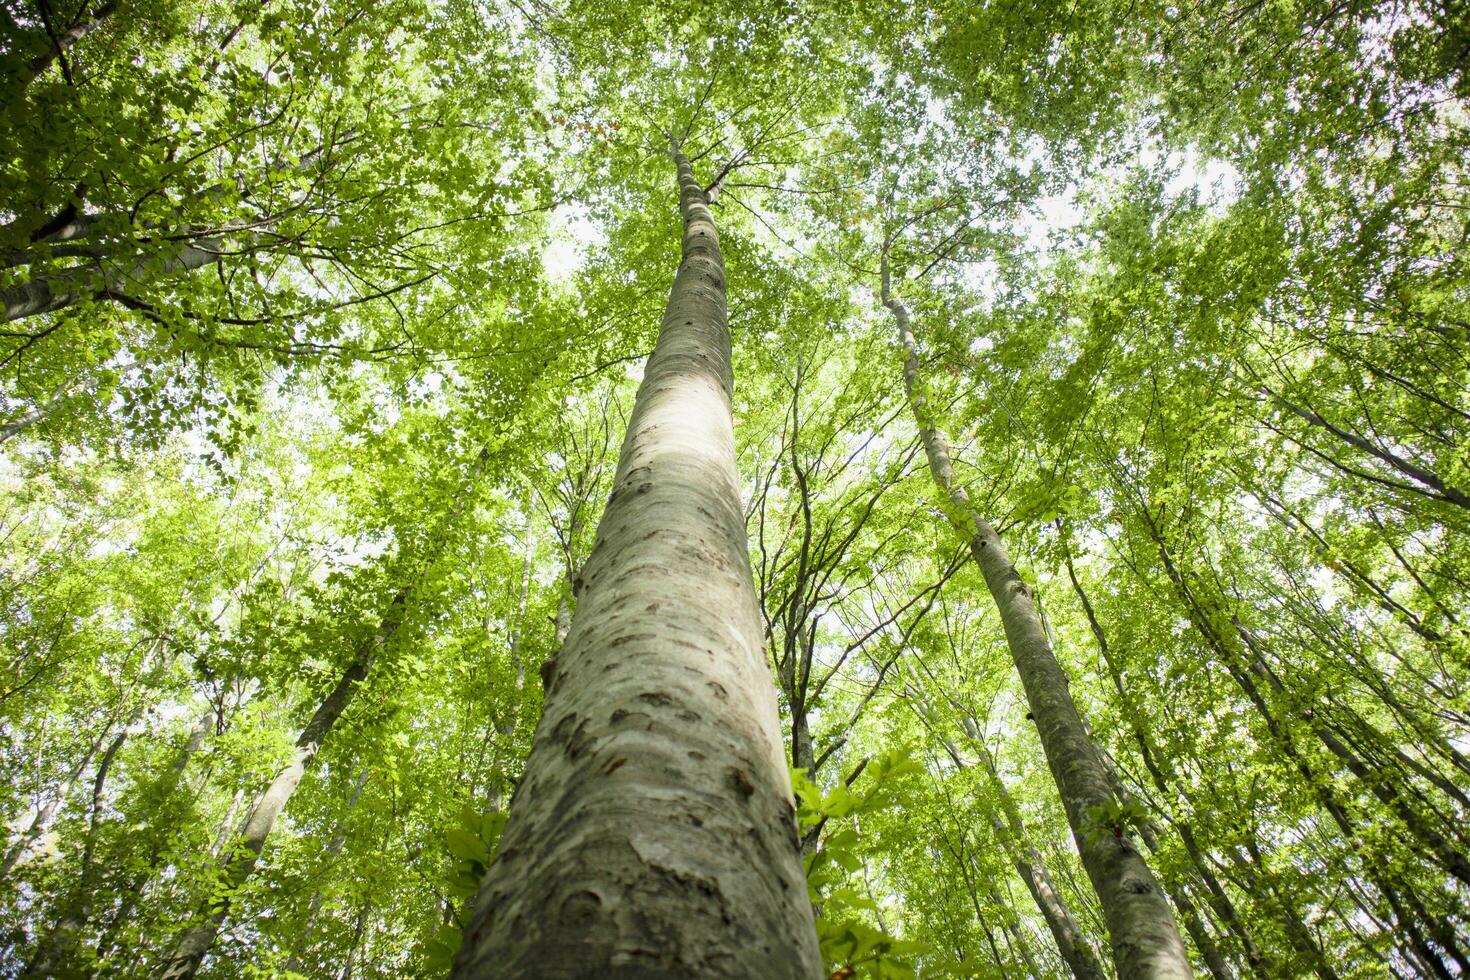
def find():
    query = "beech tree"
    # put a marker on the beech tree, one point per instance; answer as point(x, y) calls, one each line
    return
point(560, 489)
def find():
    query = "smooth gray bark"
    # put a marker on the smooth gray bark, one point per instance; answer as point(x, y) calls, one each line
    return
point(1145, 939)
point(654, 834)
point(15, 427)
point(100, 279)
point(227, 825)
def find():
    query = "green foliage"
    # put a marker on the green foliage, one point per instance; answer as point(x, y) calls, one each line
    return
point(1117, 818)
point(335, 316)
point(850, 945)
point(471, 844)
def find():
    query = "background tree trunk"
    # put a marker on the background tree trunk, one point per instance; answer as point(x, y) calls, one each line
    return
point(1145, 940)
point(240, 859)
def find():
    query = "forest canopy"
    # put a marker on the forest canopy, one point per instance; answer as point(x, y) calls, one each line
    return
point(788, 489)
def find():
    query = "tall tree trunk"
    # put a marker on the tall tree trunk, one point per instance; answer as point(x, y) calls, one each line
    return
point(1220, 902)
point(227, 825)
point(654, 834)
point(1144, 937)
point(1215, 895)
point(1194, 924)
point(358, 929)
point(1378, 779)
point(110, 266)
point(1015, 940)
point(1264, 883)
point(1070, 940)
point(240, 859)
point(518, 628)
point(55, 400)
point(1219, 632)
point(563, 622)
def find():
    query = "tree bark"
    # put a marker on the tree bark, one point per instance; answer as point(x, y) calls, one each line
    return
point(55, 400)
point(1415, 472)
point(54, 48)
point(1194, 925)
point(1215, 895)
point(1145, 939)
point(100, 280)
point(654, 834)
point(115, 258)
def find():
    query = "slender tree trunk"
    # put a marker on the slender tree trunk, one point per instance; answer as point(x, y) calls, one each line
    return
point(517, 631)
point(1015, 939)
point(1378, 779)
point(111, 267)
point(563, 622)
point(571, 592)
point(163, 791)
point(358, 929)
point(1301, 936)
point(1145, 940)
point(227, 825)
point(240, 859)
point(1148, 831)
point(1071, 942)
point(1228, 644)
point(960, 851)
point(56, 47)
point(1414, 942)
point(55, 400)
point(802, 752)
point(1219, 901)
point(654, 834)
point(1421, 475)
point(1194, 925)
